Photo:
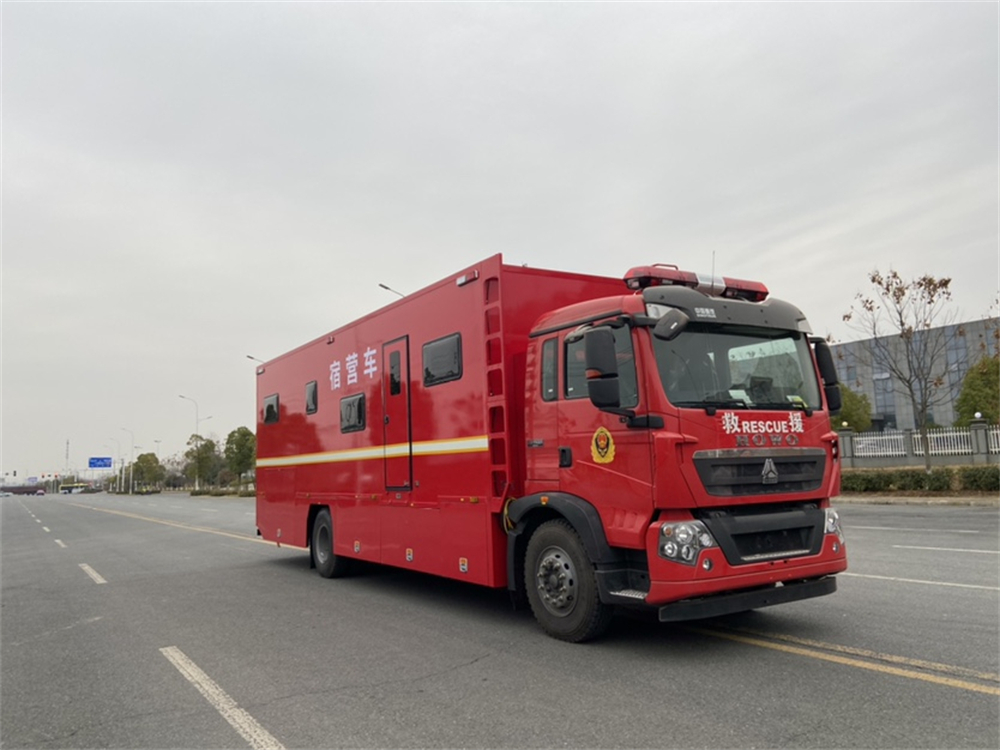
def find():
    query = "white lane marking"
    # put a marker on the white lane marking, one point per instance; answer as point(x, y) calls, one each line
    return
point(61, 543)
point(92, 573)
point(38, 520)
point(929, 583)
point(255, 735)
point(46, 528)
point(949, 549)
point(929, 531)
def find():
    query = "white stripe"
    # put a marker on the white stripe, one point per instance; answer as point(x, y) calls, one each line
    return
point(397, 450)
point(929, 583)
point(949, 549)
point(255, 735)
point(46, 528)
point(92, 573)
point(61, 543)
point(903, 528)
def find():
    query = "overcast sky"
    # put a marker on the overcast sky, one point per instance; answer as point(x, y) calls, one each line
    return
point(185, 184)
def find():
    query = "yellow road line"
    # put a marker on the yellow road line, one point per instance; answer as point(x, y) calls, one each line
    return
point(857, 663)
point(875, 655)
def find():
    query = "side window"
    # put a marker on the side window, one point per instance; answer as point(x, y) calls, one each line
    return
point(576, 370)
point(271, 409)
point(352, 413)
point(627, 383)
point(442, 360)
point(550, 372)
point(576, 373)
point(395, 375)
point(312, 397)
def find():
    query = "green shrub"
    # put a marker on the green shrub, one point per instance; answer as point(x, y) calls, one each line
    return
point(979, 478)
point(908, 480)
point(900, 480)
point(940, 480)
point(865, 481)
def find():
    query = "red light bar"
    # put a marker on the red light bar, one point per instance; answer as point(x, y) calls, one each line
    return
point(660, 274)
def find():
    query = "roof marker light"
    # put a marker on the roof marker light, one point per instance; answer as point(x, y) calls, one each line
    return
point(661, 274)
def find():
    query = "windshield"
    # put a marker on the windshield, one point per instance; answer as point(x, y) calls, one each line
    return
point(738, 367)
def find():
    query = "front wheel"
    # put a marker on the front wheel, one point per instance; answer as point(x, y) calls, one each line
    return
point(561, 586)
point(326, 563)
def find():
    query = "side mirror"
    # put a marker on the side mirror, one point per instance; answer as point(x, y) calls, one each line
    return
point(827, 371)
point(824, 359)
point(833, 400)
point(670, 325)
point(602, 368)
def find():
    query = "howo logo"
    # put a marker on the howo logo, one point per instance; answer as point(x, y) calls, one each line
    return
point(763, 432)
point(770, 473)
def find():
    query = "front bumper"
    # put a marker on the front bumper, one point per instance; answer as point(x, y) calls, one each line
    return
point(741, 601)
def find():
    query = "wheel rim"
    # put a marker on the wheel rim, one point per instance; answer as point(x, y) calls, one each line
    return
point(322, 544)
point(556, 579)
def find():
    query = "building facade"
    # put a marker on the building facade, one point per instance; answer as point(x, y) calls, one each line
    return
point(861, 366)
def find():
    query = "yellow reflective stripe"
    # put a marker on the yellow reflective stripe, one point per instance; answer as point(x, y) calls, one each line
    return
point(476, 444)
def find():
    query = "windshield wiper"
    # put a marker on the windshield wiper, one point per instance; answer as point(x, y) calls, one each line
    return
point(785, 406)
point(711, 405)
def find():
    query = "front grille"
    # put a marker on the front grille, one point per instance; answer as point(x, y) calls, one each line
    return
point(742, 473)
point(759, 534)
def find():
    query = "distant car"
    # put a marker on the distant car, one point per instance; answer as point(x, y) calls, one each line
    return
point(39, 492)
point(6, 494)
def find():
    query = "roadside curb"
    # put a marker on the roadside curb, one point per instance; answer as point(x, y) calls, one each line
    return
point(876, 498)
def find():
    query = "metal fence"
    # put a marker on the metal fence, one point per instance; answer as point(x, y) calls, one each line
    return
point(952, 441)
point(880, 444)
point(981, 440)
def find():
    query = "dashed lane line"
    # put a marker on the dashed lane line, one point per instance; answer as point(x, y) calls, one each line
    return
point(248, 727)
point(92, 573)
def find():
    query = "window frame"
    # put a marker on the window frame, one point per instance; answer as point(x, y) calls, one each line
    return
point(429, 379)
point(360, 422)
point(274, 403)
point(312, 397)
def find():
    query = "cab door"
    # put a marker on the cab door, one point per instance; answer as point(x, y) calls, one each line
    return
point(396, 431)
point(603, 460)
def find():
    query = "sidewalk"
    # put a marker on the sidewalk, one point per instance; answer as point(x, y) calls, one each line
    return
point(901, 498)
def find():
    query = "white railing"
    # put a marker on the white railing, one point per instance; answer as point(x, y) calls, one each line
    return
point(879, 444)
point(993, 438)
point(948, 441)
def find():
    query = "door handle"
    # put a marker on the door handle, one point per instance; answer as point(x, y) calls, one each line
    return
point(565, 458)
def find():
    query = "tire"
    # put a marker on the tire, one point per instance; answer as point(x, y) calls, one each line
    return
point(561, 586)
point(327, 564)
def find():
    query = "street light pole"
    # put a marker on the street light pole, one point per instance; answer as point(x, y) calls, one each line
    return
point(121, 467)
point(131, 465)
point(196, 438)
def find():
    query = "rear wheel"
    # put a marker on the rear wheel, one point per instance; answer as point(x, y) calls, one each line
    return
point(561, 585)
point(327, 564)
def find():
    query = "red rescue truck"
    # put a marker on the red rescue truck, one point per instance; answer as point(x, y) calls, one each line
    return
point(588, 443)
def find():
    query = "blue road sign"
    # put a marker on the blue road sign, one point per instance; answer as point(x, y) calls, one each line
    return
point(100, 463)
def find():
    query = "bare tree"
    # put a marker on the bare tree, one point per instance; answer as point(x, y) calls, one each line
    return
point(908, 323)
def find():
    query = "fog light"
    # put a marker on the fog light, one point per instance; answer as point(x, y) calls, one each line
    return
point(706, 564)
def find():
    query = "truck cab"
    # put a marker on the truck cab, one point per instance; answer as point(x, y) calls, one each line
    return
point(683, 432)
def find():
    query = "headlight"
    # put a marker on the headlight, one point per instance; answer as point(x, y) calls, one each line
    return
point(682, 542)
point(833, 524)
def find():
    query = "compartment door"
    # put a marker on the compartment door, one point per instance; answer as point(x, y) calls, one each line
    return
point(397, 436)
